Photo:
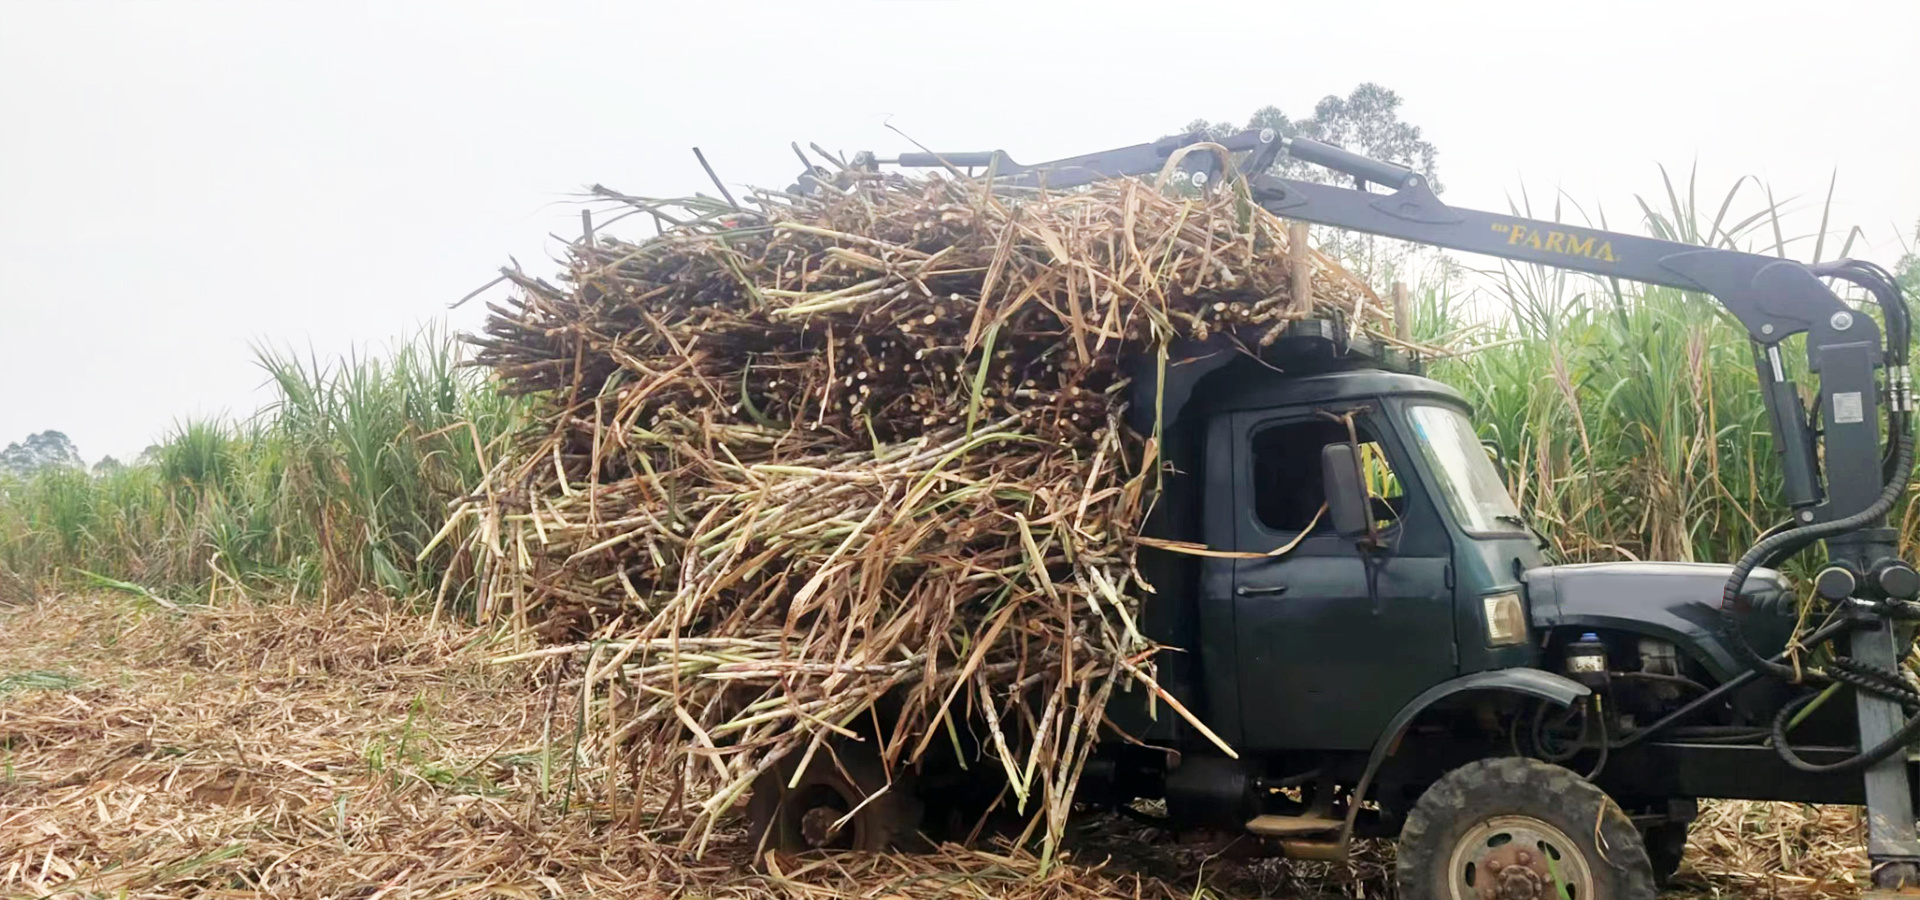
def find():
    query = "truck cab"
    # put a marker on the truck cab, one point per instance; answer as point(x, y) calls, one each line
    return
point(1433, 586)
point(1297, 637)
point(1351, 667)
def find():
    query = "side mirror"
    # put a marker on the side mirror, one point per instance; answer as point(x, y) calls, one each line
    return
point(1347, 501)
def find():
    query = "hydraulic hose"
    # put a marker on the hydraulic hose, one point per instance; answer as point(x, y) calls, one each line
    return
point(1573, 747)
point(1796, 539)
point(1896, 469)
point(1893, 306)
point(1861, 677)
point(1893, 744)
point(1773, 561)
point(1590, 714)
point(1874, 680)
point(1727, 687)
point(1799, 538)
point(1886, 292)
point(1600, 764)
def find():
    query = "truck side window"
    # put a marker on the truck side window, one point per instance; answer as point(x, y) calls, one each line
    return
point(1288, 487)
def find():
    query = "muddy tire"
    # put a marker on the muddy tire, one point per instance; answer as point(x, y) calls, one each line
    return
point(1519, 829)
point(803, 817)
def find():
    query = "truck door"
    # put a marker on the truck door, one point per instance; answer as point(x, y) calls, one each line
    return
point(1322, 664)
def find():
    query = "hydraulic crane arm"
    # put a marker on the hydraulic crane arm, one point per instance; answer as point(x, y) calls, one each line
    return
point(1772, 298)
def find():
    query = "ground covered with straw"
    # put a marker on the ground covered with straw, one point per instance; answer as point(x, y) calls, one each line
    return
point(352, 752)
point(360, 751)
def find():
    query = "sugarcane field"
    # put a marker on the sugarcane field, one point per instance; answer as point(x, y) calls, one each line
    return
point(777, 491)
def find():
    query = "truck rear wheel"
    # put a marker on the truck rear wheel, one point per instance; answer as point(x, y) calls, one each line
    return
point(1520, 829)
point(834, 805)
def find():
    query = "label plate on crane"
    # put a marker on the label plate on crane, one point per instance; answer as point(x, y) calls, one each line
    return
point(1847, 408)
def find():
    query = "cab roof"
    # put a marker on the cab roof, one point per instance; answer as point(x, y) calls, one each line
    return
point(1229, 390)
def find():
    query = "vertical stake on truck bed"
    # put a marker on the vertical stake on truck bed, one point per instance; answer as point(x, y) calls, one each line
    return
point(1402, 321)
point(1299, 268)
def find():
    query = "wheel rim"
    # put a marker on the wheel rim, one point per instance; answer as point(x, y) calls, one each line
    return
point(1518, 858)
point(810, 813)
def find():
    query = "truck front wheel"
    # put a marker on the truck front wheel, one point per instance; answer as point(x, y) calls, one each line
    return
point(1520, 829)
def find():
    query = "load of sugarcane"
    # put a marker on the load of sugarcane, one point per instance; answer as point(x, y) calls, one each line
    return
point(800, 456)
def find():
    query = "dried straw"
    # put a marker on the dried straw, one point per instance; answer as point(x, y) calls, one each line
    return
point(1793, 851)
point(297, 751)
point(862, 445)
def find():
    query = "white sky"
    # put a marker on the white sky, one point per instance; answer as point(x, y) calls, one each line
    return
point(179, 181)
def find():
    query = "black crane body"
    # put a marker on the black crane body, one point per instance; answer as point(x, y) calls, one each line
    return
point(1418, 669)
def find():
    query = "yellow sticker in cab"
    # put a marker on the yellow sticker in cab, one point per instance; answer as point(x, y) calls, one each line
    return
point(1553, 240)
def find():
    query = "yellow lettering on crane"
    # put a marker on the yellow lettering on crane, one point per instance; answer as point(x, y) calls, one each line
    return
point(1553, 240)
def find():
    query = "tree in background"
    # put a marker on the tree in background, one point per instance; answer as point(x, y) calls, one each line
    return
point(39, 451)
point(1366, 121)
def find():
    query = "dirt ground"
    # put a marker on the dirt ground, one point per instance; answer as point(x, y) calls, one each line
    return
point(363, 752)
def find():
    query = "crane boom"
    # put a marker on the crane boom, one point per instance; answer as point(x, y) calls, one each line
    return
point(1771, 297)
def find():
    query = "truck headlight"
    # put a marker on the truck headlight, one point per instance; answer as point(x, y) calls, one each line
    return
point(1506, 619)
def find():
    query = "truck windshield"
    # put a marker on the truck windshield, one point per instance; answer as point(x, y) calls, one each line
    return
point(1465, 474)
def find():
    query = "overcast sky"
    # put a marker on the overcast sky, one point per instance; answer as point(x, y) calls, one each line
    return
point(180, 181)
